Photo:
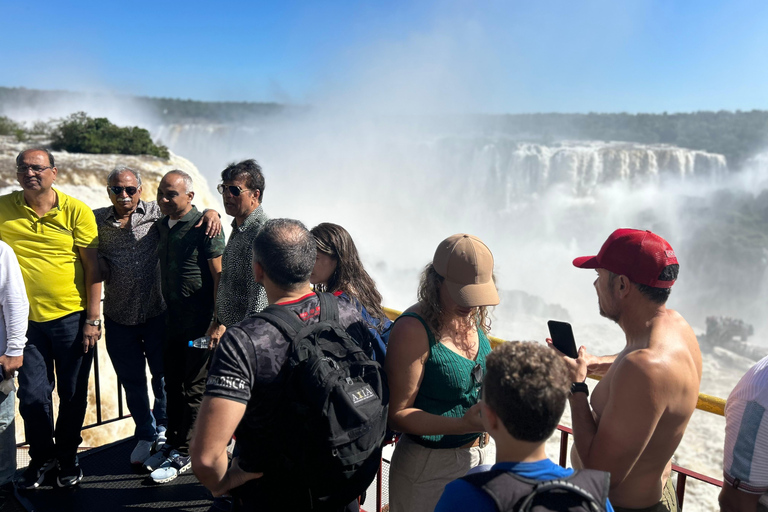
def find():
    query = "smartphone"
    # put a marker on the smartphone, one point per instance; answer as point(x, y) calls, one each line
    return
point(562, 338)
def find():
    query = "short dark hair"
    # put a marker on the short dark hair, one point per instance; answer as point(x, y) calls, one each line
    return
point(286, 250)
point(658, 295)
point(21, 155)
point(526, 384)
point(251, 170)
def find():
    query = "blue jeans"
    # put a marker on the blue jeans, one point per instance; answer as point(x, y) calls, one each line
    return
point(58, 342)
point(129, 346)
point(7, 437)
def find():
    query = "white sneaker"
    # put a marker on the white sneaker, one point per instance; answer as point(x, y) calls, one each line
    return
point(173, 466)
point(142, 452)
point(160, 440)
point(157, 459)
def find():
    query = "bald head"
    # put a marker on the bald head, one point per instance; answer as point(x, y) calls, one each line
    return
point(175, 194)
point(286, 251)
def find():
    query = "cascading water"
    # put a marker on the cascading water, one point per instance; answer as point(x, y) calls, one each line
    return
point(400, 189)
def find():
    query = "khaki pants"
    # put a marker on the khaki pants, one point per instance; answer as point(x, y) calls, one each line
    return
point(418, 474)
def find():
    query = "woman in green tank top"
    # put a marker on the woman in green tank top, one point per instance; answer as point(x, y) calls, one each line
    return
point(435, 364)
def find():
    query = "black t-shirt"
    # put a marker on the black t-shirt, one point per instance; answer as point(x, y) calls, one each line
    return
point(245, 369)
point(252, 352)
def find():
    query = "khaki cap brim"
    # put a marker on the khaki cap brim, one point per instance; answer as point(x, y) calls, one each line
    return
point(473, 295)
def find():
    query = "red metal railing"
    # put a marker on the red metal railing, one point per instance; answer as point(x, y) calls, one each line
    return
point(682, 473)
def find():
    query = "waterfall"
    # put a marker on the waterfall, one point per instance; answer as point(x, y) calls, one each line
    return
point(510, 170)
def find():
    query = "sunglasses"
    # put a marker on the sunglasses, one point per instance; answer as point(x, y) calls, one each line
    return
point(477, 374)
point(119, 190)
point(233, 189)
point(36, 169)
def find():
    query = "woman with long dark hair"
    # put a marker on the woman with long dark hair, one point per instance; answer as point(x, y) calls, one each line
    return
point(339, 270)
point(435, 365)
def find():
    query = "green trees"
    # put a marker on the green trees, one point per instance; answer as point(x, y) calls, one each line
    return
point(79, 133)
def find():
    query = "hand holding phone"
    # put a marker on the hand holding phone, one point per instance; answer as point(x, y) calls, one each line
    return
point(562, 338)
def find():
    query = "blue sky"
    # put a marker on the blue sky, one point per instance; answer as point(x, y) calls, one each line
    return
point(426, 55)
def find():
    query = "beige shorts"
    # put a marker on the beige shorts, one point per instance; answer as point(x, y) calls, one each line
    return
point(419, 474)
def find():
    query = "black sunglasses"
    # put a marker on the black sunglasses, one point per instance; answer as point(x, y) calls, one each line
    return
point(119, 190)
point(233, 189)
point(477, 374)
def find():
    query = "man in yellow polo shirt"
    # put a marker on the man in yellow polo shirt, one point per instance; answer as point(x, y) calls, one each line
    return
point(55, 239)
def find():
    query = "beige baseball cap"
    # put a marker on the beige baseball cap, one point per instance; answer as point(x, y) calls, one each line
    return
point(466, 264)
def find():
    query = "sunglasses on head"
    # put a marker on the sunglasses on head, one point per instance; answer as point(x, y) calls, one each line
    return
point(233, 189)
point(119, 190)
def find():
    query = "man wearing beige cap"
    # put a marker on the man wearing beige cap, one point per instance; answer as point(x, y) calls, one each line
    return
point(640, 408)
point(435, 364)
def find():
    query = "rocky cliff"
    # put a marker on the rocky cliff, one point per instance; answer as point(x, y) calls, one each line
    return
point(84, 176)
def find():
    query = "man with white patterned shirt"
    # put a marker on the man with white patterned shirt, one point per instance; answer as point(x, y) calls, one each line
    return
point(745, 456)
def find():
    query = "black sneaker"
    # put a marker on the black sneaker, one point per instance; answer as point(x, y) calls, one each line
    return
point(6, 494)
point(69, 474)
point(34, 476)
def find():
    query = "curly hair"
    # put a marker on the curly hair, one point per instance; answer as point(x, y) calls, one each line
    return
point(350, 276)
point(526, 384)
point(432, 309)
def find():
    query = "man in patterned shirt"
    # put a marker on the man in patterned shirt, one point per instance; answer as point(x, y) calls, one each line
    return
point(190, 266)
point(245, 367)
point(239, 296)
point(134, 309)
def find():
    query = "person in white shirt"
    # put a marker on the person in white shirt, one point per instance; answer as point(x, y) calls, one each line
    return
point(745, 456)
point(14, 311)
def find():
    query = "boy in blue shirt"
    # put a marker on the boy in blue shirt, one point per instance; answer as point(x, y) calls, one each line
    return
point(524, 393)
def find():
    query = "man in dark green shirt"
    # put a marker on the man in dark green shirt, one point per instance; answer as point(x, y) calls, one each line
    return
point(190, 267)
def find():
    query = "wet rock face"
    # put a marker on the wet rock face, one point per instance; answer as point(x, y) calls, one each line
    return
point(85, 176)
point(731, 334)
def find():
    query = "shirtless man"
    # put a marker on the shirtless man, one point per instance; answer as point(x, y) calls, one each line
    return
point(640, 409)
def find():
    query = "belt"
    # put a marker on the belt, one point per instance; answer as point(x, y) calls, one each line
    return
point(481, 441)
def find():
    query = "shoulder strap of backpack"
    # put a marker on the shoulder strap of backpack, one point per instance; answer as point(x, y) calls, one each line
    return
point(329, 307)
point(569, 484)
point(282, 318)
point(504, 486)
point(598, 483)
point(482, 480)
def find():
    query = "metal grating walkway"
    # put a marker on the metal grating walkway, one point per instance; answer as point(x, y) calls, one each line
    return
point(111, 484)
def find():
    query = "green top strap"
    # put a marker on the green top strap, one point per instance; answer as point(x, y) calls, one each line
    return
point(448, 387)
point(418, 317)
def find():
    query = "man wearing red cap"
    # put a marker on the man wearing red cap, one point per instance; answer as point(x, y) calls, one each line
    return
point(640, 408)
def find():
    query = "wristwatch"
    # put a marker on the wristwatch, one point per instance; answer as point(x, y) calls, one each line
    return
point(579, 387)
point(95, 323)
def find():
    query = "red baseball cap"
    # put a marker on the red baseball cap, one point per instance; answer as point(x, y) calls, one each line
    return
point(639, 255)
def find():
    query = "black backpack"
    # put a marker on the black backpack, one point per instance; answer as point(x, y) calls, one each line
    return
point(585, 490)
point(334, 406)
